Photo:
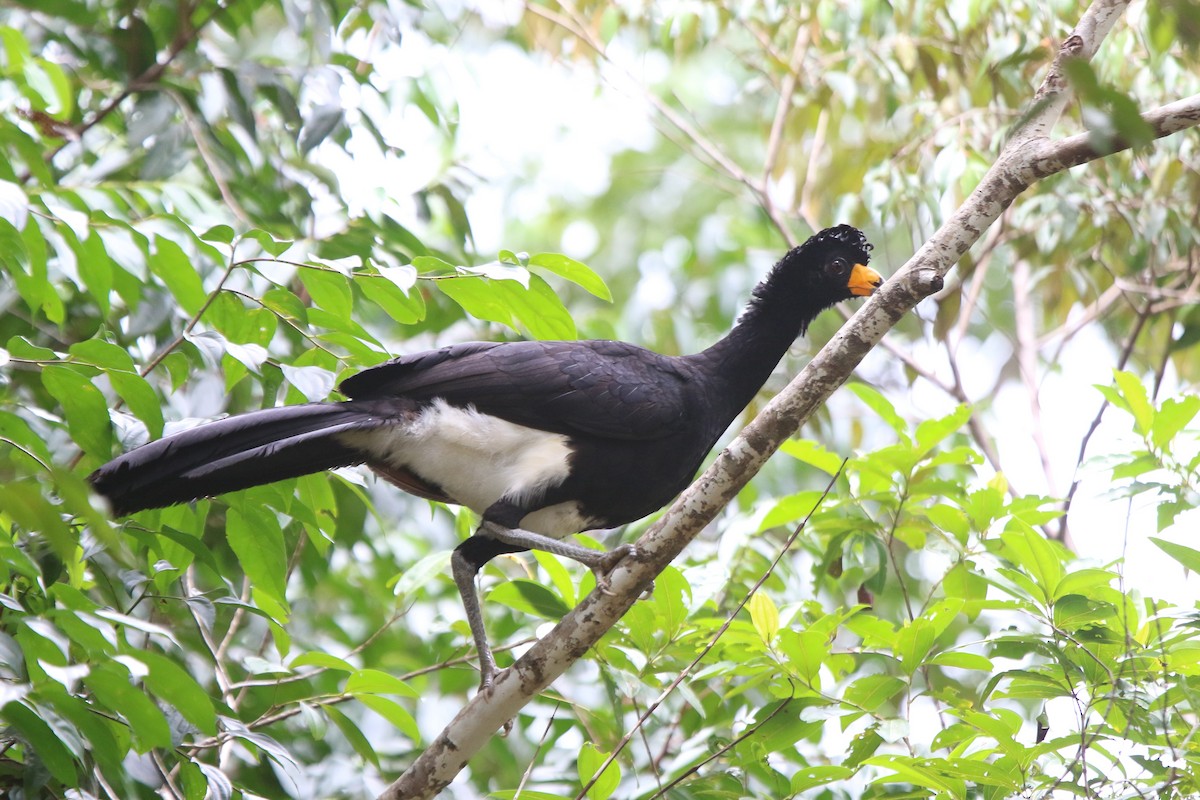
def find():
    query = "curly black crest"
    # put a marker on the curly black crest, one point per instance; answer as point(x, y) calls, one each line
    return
point(846, 235)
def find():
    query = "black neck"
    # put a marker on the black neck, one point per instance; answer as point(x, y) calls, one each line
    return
point(742, 361)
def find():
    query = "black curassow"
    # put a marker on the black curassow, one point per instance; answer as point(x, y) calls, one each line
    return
point(542, 439)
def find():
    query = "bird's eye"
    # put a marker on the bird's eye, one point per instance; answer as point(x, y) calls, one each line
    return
point(839, 264)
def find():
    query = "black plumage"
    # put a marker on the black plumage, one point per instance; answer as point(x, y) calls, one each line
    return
point(542, 439)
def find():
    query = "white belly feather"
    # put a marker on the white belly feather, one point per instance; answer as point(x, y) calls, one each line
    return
point(478, 459)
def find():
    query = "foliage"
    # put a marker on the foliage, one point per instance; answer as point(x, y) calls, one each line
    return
point(183, 234)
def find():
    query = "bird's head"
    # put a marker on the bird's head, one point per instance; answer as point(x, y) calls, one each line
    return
point(828, 268)
point(832, 265)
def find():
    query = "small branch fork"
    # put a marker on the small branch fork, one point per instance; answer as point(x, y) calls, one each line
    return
point(1029, 156)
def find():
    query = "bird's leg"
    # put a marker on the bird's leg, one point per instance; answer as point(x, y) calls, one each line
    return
point(601, 563)
point(493, 539)
point(464, 570)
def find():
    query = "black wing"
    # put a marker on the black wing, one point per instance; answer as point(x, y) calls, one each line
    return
point(596, 388)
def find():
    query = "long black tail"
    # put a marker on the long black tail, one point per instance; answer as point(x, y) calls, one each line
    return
point(234, 453)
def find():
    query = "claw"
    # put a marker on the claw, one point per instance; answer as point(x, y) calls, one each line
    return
point(487, 682)
point(604, 566)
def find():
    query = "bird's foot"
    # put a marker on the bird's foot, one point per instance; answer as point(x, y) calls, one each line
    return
point(487, 683)
point(487, 679)
point(606, 563)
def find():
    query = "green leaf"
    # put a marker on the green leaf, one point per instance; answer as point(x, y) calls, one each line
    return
point(880, 405)
point(192, 780)
point(964, 583)
point(105, 355)
point(107, 738)
point(1113, 396)
point(790, 509)
point(536, 309)
point(574, 271)
point(1186, 556)
point(932, 431)
point(141, 399)
point(1074, 611)
point(529, 597)
point(330, 290)
point(271, 245)
point(405, 308)
point(373, 681)
point(813, 454)
point(915, 772)
point(764, 615)
point(29, 278)
point(174, 268)
point(951, 520)
point(1134, 392)
point(1143, 463)
point(50, 749)
point(987, 773)
point(95, 268)
point(171, 683)
point(1167, 512)
point(1027, 685)
point(863, 746)
point(871, 692)
point(52, 87)
point(323, 660)
point(1172, 417)
point(671, 599)
point(1029, 550)
point(27, 503)
point(1001, 724)
point(421, 573)
point(806, 651)
point(963, 661)
point(590, 761)
point(85, 409)
point(393, 712)
point(110, 683)
point(255, 537)
point(20, 347)
point(913, 643)
point(560, 577)
point(221, 234)
point(16, 47)
point(807, 778)
point(433, 264)
point(16, 431)
point(350, 730)
point(983, 506)
point(1084, 582)
point(285, 304)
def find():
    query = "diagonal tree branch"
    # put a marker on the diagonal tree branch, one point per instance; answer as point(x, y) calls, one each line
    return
point(1027, 157)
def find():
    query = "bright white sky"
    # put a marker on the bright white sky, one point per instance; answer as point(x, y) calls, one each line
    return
point(562, 127)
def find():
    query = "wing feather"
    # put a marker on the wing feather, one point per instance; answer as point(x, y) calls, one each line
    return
point(595, 388)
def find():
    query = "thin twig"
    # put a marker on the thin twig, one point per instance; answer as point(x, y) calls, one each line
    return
point(210, 160)
point(783, 109)
point(184, 37)
point(720, 751)
point(1064, 528)
point(686, 671)
point(533, 760)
